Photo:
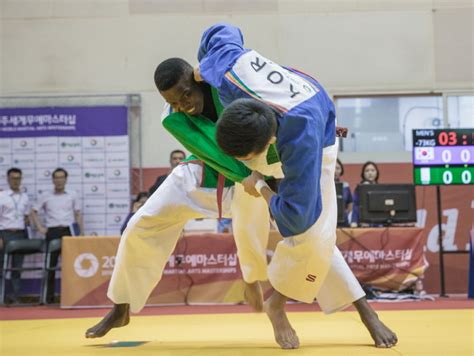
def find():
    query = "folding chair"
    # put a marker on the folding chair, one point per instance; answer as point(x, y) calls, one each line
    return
point(18, 247)
point(53, 246)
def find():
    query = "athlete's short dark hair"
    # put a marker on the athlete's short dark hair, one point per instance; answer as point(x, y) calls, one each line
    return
point(170, 71)
point(245, 126)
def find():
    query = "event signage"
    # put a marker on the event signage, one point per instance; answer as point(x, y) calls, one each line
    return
point(90, 142)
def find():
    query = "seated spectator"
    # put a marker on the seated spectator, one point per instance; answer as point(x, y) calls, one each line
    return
point(346, 191)
point(369, 175)
point(141, 198)
point(176, 156)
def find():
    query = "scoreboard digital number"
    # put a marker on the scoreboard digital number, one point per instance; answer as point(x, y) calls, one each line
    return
point(443, 157)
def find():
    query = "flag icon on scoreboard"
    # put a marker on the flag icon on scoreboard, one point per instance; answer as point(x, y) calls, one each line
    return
point(424, 153)
point(425, 175)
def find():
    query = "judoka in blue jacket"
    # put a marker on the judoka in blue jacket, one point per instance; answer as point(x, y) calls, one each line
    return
point(305, 114)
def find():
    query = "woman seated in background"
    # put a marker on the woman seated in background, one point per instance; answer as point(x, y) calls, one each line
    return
point(346, 191)
point(137, 204)
point(369, 175)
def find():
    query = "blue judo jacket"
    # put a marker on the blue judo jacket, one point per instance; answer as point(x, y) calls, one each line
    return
point(305, 113)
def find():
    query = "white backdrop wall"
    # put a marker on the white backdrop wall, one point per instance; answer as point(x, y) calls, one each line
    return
point(113, 46)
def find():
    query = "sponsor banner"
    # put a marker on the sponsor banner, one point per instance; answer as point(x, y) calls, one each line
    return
point(92, 232)
point(5, 146)
point(94, 206)
point(46, 144)
point(30, 190)
point(94, 220)
point(386, 258)
point(28, 176)
point(116, 144)
point(44, 175)
point(118, 190)
point(42, 189)
point(5, 160)
point(74, 175)
point(23, 145)
point(64, 121)
point(26, 160)
point(46, 160)
point(94, 191)
point(93, 160)
point(210, 260)
point(70, 144)
point(118, 174)
point(94, 175)
point(115, 221)
point(91, 143)
point(119, 206)
point(116, 159)
point(3, 180)
point(67, 160)
point(77, 188)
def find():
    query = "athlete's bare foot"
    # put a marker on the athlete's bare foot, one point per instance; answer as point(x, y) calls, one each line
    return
point(117, 317)
point(285, 335)
point(381, 334)
point(254, 296)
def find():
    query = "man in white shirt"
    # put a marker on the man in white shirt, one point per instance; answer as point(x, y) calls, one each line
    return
point(14, 208)
point(60, 208)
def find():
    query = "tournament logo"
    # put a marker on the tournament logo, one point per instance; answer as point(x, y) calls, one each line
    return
point(70, 144)
point(117, 172)
point(93, 142)
point(94, 188)
point(46, 173)
point(93, 175)
point(117, 205)
point(117, 219)
point(23, 143)
point(70, 158)
point(86, 265)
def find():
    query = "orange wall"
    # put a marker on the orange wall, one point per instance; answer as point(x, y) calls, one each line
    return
point(150, 175)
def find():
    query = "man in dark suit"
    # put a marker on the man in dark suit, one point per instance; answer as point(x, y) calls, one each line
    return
point(176, 156)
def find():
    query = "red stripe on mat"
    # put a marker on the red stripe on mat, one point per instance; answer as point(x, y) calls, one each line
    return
point(54, 312)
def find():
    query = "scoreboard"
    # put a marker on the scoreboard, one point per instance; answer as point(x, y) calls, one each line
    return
point(443, 156)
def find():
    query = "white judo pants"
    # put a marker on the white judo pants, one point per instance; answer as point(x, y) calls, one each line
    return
point(152, 233)
point(309, 265)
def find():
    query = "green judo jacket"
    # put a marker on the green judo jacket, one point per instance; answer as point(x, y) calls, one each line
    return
point(198, 135)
